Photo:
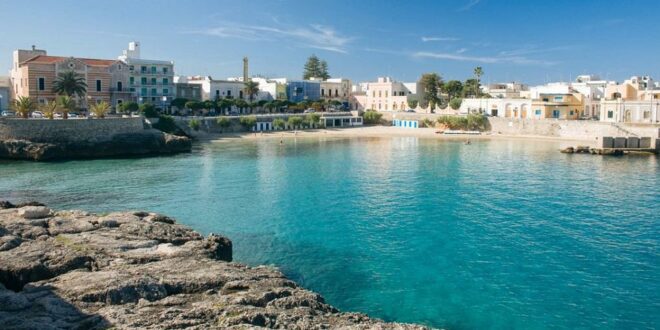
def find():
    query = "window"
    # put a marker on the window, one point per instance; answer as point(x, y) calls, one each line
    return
point(154, 91)
point(322, 92)
point(336, 92)
point(545, 99)
point(571, 112)
point(119, 86)
point(647, 114)
point(558, 98)
point(42, 84)
point(143, 91)
point(610, 114)
point(98, 85)
point(165, 70)
point(143, 80)
point(385, 93)
point(131, 80)
point(537, 112)
point(373, 94)
point(153, 69)
point(217, 93)
point(555, 113)
point(143, 69)
point(131, 68)
point(379, 94)
point(153, 81)
point(228, 93)
point(165, 91)
point(166, 81)
point(119, 67)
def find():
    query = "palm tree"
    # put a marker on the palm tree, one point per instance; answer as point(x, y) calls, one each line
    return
point(478, 72)
point(70, 83)
point(65, 104)
point(23, 105)
point(100, 109)
point(251, 89)
point(49, 109)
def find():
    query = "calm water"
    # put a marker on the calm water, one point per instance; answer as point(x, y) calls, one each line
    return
point(497, 234)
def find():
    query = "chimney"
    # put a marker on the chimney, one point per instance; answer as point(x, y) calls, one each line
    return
point(245, 69)
point(34, 47)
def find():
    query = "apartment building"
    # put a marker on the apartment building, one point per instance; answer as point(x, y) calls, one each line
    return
point(149, 81)
point(636, 100)
point(510, 90)
point(386, 94)
point(185, 90)
point(214, 89)
point(301, 90)
point(336, 89)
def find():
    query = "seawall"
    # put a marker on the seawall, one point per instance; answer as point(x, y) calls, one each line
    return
point(70, 130)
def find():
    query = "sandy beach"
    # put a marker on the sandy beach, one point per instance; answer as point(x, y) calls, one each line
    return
point(381, 131)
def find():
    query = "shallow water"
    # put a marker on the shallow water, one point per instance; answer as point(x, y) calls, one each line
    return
point(498, 234)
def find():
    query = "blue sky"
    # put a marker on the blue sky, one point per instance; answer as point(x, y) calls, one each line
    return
point(529, 41)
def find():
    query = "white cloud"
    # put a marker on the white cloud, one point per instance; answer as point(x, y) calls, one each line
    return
point(427, 39)
point(469, 5)
point(314, 36)
point(482, 59)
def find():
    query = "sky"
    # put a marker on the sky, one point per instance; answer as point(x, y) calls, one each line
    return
point(512, 40)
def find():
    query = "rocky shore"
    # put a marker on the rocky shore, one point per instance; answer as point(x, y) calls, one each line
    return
point(130, 270)
point(149, 142)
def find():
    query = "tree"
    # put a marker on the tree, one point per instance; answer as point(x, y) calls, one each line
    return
point(248, 122)
point(65, 104)
point(194, 124)
point(194, 106)
point(412, 104)
point(455, 103)
point(372, 117)
point(128, 107)
point(179, 102)
point(453, 88)
point(295, 121)
point(470, 88)
point(100, 109)
point(323, 70)
point(148, 110)
point(223, 122)
point(251, 89)
point(225, 104)
point(49, 109)
point(70, 83)
point(23, 105)
point(431, 83)
point(478, 72)
point(241, 104)
point(312, 119)
point(279, 123)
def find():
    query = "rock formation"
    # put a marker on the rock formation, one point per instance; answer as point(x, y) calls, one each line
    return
point(130, 270)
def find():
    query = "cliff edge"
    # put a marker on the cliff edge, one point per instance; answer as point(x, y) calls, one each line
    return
point(129, 270)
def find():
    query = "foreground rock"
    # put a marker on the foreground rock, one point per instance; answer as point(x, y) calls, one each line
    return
point(73, 269)
point(149, 142)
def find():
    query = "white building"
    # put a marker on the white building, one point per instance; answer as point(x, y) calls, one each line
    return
point(151, 81)
point(504, 90)
point(213, 89)
point(386, 94)
point(338, 89)
point(497, 107)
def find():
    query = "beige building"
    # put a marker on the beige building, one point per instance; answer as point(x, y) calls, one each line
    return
point(385, 94)
point(636, 100)
point(336, 89)
point(33, 73)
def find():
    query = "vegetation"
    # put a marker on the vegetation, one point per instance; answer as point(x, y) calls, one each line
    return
point(473, 122)
point(100, 109)
point(316, 68)
point(412, 104)
point(128, 107)
point(49, 109)
point(478, 72)
point(428, 122)
point(223, 122)
point(70, 83)
point(455, 103)
point(23, 105)
point(431, 84)
point(279, 123)
point(194, 124)
point(167, 125)
point(251, 89)
point(248, 122)
point(453, 88)
point(65, 104)
point(372, 117)
point(312, 119)
point(148, 110)
point(295, 121)
point(179, 102)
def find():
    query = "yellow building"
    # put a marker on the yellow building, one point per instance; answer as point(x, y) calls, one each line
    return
point(557, 106)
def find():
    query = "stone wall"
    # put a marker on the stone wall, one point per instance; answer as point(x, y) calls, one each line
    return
point(572, 129)
point(71, 130)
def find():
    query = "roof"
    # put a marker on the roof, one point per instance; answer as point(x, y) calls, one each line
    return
point(46, 59)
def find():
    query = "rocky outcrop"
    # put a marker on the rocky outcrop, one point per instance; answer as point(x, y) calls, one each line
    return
point(149, 142)
point(130, 270)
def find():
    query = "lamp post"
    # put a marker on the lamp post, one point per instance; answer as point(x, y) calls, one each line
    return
point(162, 104)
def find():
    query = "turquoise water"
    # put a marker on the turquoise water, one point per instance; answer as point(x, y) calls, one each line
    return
point(498, 234)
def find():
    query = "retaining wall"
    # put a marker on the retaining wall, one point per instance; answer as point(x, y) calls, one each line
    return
point(574, 129)
point(70, 130)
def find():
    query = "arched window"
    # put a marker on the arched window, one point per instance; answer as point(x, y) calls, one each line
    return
point(394, 107)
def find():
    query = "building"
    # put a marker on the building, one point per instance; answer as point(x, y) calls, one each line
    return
point(213, 89)
point(33, 73)
point(386, 94)
point(4, 93)
point(301, 90)
point(336, 89)
point(185, 90)
point(556, 106)
point(510, 90)
point(636, 100)
point(498, 107)
point(270, 89)
point(150, 81)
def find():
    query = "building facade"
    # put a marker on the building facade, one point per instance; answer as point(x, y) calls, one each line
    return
point(336, 89)
point(149, 81)
point(302, 90)
point(185, 90)
point(386, 94)
point(636, 100)
point(34, 72)
point(5, 96)
point(213, 89)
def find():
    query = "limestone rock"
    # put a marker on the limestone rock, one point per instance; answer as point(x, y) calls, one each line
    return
point(34, 212)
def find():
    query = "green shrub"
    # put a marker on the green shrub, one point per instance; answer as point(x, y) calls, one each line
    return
point(194, 124)
point(223, 122)
point(279, 123)
point(166, 124)
point(473, 122)
point(372, 117)
point(148, 110)
point(312, 119)
point(428, 122)
point(455, 103)
point(477, 122)
point(248, 122)
point(295, 121)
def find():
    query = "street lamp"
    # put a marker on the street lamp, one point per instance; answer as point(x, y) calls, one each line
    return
point(162, 104)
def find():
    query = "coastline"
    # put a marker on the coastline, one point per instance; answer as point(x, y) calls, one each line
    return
point(381, 132)
point(141, 270)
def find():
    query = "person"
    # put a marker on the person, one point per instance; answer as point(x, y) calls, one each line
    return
point(467, 142)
